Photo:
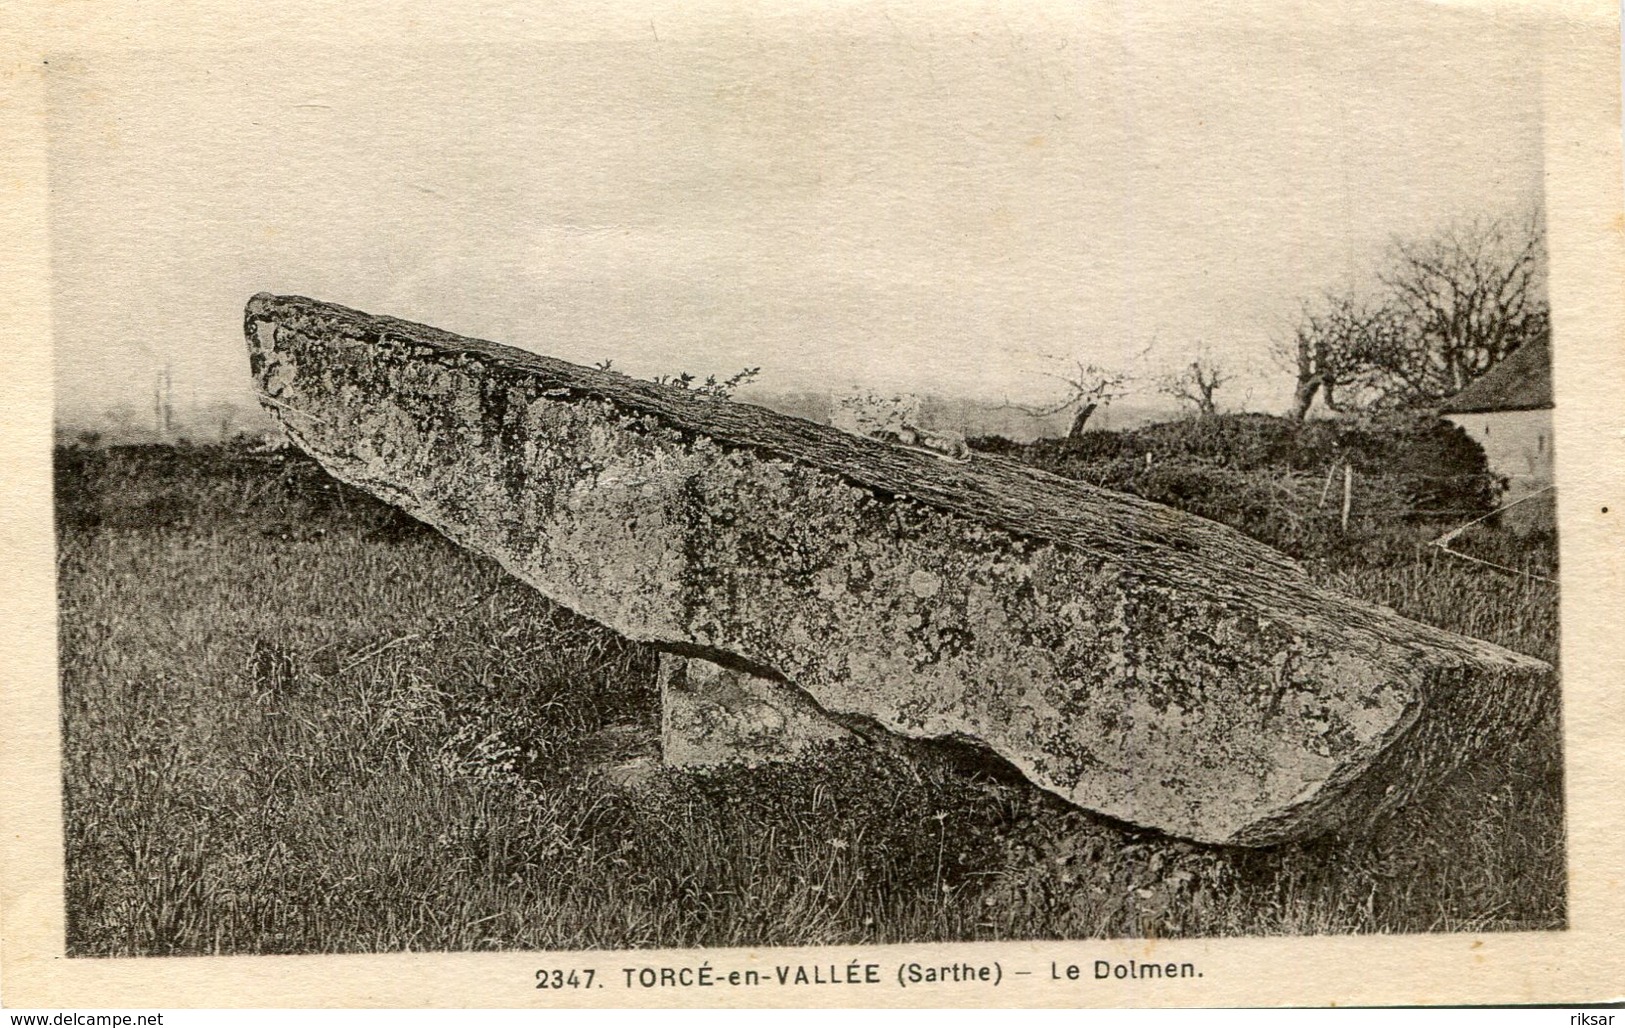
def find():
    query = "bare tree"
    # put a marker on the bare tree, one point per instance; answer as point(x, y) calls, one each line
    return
point(1469, 297)
point(1309, 355)
point(1443, 311)
point(1087, 388)
point(1337, 350)
point(1196, 383)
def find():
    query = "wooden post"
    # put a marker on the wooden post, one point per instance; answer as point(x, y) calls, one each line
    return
point(1326, 490)
point(1348, 493)
point(163, 407)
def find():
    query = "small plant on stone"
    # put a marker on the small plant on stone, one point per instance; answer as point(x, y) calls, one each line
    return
point(712, 388)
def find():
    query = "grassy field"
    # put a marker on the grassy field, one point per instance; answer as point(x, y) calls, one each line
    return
point(295, 721)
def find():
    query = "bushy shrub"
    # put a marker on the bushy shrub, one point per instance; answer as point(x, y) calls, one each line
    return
point(1281, 482)
point(998, 445)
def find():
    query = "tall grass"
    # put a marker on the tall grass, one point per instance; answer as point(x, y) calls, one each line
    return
point(296, 722)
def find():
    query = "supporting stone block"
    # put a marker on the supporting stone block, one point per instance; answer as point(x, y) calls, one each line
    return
point(717, 715)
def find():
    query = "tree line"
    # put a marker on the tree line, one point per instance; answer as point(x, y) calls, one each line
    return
point(1434, 314)
point(1444, 310)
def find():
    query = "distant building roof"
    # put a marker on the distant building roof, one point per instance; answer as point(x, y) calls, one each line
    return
point(1522, 381)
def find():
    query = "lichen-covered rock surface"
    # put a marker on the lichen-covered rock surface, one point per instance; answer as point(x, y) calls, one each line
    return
point(1145, 664)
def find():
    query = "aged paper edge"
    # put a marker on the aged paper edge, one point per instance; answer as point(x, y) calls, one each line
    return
point(1587, 233)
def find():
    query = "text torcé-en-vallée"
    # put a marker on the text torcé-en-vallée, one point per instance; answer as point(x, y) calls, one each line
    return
point(865, 973)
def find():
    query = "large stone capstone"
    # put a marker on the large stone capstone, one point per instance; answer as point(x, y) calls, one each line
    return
point(1140, 662)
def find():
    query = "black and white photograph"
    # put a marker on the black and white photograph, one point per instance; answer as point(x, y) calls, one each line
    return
point(818, 479)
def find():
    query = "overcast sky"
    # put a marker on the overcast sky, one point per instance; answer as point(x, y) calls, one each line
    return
point(865, 195)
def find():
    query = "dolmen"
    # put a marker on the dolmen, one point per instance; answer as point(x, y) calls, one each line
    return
point(802, 582)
